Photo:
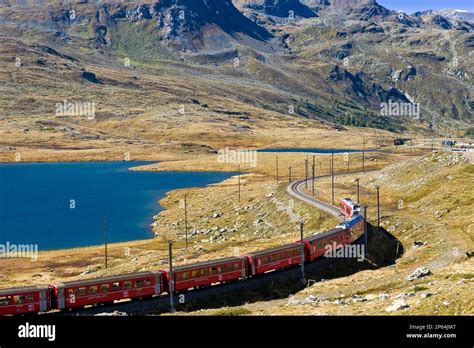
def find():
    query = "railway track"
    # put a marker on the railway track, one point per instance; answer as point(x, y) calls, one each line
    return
point(157, 304)
point(295, 189)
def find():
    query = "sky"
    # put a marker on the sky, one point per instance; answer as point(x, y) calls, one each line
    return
point(411, 6)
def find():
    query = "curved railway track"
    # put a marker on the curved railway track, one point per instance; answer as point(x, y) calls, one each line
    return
point(295, 189)
point(156, 304)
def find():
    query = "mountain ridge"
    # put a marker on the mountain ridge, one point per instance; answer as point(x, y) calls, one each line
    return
point(211, 42)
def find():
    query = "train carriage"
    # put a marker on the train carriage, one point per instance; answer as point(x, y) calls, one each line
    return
point(275, 259)
point(319, 243)
point(76, 294)
point(210, 272)
point(24, 300)
point(356, 228)
point(349, 208)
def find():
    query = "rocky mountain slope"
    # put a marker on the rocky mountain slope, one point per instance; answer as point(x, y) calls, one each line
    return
point(330, 60)
point(452, 14)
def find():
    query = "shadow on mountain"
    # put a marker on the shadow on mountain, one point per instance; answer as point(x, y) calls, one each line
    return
point(226, 16)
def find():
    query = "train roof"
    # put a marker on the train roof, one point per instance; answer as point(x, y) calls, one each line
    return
point(353, 221)
point(106, 279)
point(21, 289)
point(206, 263)
point(324, 234)
point(272, 250)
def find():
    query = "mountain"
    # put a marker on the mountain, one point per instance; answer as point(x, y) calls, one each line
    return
point(452, 14)
point(278, 8)
point(335, 61)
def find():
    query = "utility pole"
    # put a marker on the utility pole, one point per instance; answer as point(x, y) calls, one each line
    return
point(105, 240)
point(186, 218)
point(378, 207)
point(358, 198)
point(363, 158)
point(238, 180)
point(314, 165)
point(365, 231)
point(277, 168)
point(376, 140)
point(289, 174)
point(332, 178)
point(330, 166)
point(303, 279)
point(306, 172)
point(170, 256)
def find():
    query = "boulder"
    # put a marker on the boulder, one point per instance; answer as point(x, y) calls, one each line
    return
point(419, 273)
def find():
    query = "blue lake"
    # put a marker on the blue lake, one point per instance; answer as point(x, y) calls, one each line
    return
point(63, 205)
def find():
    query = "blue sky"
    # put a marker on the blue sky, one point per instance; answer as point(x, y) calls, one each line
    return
point(410, 6)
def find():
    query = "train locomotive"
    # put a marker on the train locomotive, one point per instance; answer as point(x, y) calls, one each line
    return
point(106, 290)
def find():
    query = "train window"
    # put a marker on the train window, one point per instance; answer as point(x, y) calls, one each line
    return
point(283, 255)
point(18, 299)
point(265, 260)
point(220, 269)
point(70, 291)
point(205, 271)
point(195, 273)
point(116, 286)
point(214, 270)
point(127, 284)
point(30, 298)
point(104, 288)
point(185, 275)
point(4, 300)
point(147, 282)
point(80, 291)
point(93, 290)
point(139, 284)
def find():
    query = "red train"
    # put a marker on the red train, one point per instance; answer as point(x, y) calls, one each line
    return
point(349, 208)
point(98, 291)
